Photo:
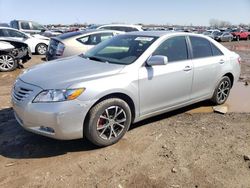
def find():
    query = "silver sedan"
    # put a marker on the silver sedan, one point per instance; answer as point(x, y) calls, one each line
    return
point(123, 80)
point(75, 43)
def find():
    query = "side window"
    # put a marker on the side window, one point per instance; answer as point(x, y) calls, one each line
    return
point(17, 34)
point(36, 26)
point(107, 28)
point(117, 28)
point(83, 40)
point(105, 36)
point(130, 29)
point(4, 33)
point(216, 51)
point(25, 25)
point(95, 38)
point(201, 47)
point(14, 24)
point(174, 48)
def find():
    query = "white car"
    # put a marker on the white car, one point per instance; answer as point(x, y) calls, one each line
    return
point(37, 43)
point(119, 27)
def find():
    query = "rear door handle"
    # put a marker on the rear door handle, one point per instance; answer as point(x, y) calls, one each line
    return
point(187, 68)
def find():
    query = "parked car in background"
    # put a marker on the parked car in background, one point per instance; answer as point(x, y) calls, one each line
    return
point(4, 25)
point(240, 34)
point(37, 43)
point(28, 26)
point(119, 27)
point(126, 79)
point(52, 33)
point(12, 53)
point(75, 43)
point(224, 37)
point(212, 33)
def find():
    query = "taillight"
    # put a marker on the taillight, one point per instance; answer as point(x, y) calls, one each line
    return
point(60, 49)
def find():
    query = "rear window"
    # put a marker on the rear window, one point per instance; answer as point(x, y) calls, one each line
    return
point(201, 47)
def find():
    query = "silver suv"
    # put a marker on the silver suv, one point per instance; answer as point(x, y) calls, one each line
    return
point(121, 81)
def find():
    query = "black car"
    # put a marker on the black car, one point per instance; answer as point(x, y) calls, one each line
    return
point(12, 53)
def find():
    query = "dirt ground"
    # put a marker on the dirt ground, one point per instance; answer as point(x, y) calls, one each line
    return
point(177, 149)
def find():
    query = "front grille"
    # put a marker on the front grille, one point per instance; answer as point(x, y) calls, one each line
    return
point(20, 93)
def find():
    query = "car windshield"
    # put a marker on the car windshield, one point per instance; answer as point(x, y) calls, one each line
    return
point(122, 49)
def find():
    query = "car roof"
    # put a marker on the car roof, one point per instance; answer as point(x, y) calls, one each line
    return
point(84, 32)
point(158, 33)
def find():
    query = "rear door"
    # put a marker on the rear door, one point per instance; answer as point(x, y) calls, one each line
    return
point(207, 61)
point(165, 86)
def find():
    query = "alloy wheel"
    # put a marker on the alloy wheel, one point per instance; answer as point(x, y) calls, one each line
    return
point(111, 123)
point(41, 49)
point(223, 91)
point(7, 62)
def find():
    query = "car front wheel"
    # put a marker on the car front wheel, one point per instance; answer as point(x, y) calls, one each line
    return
point(7, 63)
point(108, 121)
point(222, 91)
point(41, 49)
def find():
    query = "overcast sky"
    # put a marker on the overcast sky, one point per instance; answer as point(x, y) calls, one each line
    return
point(182, 12)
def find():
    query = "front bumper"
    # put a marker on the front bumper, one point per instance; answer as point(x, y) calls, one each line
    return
point(58, 120)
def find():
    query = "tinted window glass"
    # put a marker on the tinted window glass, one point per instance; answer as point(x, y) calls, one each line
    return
point(95, 39)
point(14, 24)
point(84, 40)
point(216, 51)
point(201, 47)
point(3, 33)
point(122, 49)
point(107, 27)
point(25, 25)
point(36, 26)
point(174, 48)
point(17, 34)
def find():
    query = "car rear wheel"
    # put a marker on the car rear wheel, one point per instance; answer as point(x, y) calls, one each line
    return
point(222, 91)
point(41, 49)
point(7, 63)
point(238, 38)
point(108, 121)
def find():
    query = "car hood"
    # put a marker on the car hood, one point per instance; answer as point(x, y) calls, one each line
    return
point(62, 73)
point(38, 36)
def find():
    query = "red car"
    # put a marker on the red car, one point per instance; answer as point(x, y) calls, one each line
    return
point(240, 34)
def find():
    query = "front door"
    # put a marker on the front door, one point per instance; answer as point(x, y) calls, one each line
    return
point(164, 86)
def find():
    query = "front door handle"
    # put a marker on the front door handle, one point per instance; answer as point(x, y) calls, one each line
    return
point(187, 68)
point(221, 61)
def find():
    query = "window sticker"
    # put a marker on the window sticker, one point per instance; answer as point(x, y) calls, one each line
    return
point(148, 39)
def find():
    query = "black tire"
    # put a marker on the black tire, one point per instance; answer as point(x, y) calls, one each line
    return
point(7, 62)
point(109, 131)
point(41, 49)
point(248, 37)
point(222, 91)
point(238, 38)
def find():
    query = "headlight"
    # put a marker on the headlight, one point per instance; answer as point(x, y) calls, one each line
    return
point(56, 95)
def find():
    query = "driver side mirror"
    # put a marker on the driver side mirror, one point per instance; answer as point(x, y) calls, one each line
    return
point(157, 60)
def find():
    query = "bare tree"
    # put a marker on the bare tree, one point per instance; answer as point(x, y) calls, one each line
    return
point(219, 23)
